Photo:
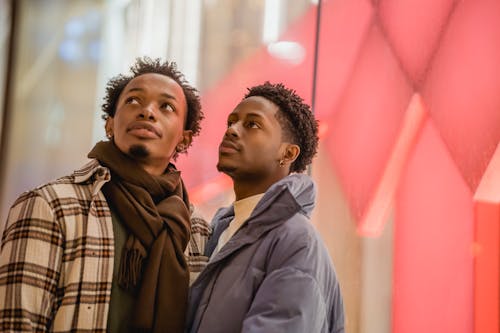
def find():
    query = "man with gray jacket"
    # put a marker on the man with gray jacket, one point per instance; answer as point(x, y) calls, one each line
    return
point(269, 270)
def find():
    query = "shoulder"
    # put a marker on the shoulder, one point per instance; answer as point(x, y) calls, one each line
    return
point(296, 243)
point(32, 218)
point(48, 194)
point(68, 195)
point(297, 231)
point(78, 187)
point(59, 193)
point(46, 199)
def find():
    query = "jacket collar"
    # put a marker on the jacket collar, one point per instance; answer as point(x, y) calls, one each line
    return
point(94, 172)
point(293, 194)
point(300, 186)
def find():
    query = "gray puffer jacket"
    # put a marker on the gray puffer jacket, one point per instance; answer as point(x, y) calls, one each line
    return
point(274, 274)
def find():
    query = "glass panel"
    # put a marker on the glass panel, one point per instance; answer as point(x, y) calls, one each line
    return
point(5, 24)
point(63, 66)
point(53, 91)
point(244, 43)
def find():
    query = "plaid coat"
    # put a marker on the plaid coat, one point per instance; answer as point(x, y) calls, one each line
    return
point(56, 260)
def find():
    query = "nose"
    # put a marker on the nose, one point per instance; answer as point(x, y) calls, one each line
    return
point(232, 130)
point(147, 113)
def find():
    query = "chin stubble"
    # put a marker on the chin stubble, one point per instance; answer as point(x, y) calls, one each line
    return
point(225, 169)
point(138, 152)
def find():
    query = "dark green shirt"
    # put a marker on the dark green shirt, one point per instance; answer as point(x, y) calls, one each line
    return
point(120, 306)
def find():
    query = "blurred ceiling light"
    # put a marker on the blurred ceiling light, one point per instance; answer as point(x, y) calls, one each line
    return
point(314, 2)
point(94, 50)
point(291, 52)
point(74, 28)
point(71, 50)
point(271, 29)
point(93, 20)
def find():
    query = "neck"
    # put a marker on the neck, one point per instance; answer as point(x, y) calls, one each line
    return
point(153, 165)
point(247, 188)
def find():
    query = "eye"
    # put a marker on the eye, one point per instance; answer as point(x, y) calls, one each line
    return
point(132, 100)
point(252, 124)
point(167, 107)
point(230, 123)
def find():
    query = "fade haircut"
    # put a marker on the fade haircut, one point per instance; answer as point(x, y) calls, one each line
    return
point(296, 119)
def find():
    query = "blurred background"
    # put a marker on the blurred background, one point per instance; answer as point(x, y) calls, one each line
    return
point(408, 98)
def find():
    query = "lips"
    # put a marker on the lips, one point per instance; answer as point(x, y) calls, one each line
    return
point(144, 126)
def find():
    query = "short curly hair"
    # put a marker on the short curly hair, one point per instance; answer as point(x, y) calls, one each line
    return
point(296, 119)
point(147, 65)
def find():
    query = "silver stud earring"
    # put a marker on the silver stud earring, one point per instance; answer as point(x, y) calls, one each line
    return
point(180, 148)
point(282, 163)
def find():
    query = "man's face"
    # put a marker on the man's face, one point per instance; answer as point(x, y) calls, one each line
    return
point(149, 120)
point(252, 145)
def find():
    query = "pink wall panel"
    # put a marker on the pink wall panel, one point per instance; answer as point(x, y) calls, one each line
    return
point(341, 38)
point(413, 28)
point(381, 204)
point(433, 237)
point(462, 89)
point(487, 249)
point(368, 120)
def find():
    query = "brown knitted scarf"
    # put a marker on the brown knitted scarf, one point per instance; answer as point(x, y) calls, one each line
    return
point(155, 211)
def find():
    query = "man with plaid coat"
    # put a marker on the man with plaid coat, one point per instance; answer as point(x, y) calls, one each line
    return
point(111, 247)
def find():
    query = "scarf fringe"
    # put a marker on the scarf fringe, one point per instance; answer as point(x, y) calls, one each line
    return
point(130, 269)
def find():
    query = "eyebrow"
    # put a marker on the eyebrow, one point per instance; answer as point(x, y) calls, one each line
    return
point(253, 114)
point(250, 114)
point(142, 90)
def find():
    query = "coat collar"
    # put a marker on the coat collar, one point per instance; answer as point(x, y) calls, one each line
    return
point(94, 172)
point(291, 195)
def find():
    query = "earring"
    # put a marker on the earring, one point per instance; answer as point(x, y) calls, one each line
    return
point(282, 163)
point(180, 148)
point(109, 135)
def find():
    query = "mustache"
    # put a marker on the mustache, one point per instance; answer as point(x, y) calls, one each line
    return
point(230, 144)
point(143, 125)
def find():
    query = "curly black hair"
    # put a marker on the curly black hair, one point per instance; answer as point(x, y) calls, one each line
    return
point(296, 119)
point(147, 65)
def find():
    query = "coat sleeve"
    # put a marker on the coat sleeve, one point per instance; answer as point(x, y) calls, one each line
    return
point(30, 266)
point(200, 233)
point(300, 292)
point(288, 300)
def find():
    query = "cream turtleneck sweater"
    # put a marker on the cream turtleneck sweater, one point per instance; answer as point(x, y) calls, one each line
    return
point(242, 210)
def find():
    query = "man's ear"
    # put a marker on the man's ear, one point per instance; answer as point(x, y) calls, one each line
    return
point(109, 127)
point(291, 152)
point(187, 138)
